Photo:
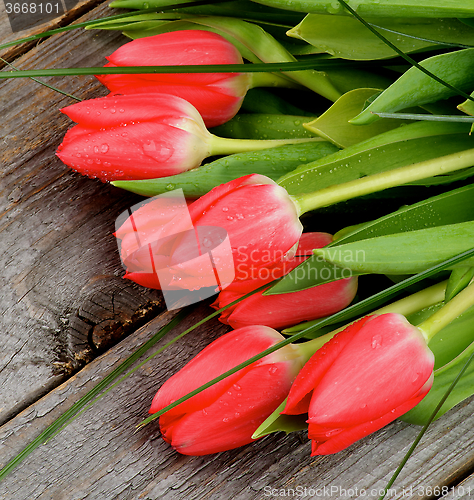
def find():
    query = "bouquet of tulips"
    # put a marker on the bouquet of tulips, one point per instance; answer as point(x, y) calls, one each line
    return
point(223, 213)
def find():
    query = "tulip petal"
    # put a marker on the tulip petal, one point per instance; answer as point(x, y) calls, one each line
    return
point(142, 151)
point(225, 353)
point(118, 110)
point(279, 227)
point(360, 386)
point(317, 366)
point(338, 441)
point(230, 421)
point(177, 48)
point(281, 311)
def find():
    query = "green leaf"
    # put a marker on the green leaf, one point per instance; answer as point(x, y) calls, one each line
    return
point(347, 38)
point(447, 208)
point(281, 423)
point(467, 106)
point(415, 88)
point(455, 345)
point(264, 126)
point(385, 8)
point(242, 9)
point(458, 280)
point(312, 272)
point(272, 162)
point(393, 149)
point(334, 125)
point(403, 253)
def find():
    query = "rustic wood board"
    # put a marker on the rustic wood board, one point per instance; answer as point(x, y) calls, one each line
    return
point(6, 34)
point(100, 456)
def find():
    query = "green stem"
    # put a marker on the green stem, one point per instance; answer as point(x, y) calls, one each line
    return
point(406, 306)
point(448, 313)
point(384, 180)
point(225, 146)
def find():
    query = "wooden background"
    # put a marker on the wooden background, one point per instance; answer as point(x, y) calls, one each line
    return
point(68, 318)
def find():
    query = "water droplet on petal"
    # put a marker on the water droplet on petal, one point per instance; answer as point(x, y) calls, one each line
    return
point(376, 341)
point(104, 148)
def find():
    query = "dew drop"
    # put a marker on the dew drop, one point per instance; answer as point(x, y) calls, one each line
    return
point(376, 342)
point(104, 148)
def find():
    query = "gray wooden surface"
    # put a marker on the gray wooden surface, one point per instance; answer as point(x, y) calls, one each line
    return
point(68, 318)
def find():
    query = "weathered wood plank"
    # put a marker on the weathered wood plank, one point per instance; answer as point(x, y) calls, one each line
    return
point(6, 34)
point(99, 456)
point(62, 296)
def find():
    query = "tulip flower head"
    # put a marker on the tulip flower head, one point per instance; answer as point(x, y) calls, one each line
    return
point(144, 136)
point(366, 376)
point(259, 218)
point(134, 137)
point(217, 96)
point(283, 310)
point(225, 415)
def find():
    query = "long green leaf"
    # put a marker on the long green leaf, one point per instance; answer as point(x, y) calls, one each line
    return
point(414, 88)
point(454, 345)
point(346, 37)
point(448, 208)
point(385, 8)
point(403, 253)
point(270, 162)
point(394, 149)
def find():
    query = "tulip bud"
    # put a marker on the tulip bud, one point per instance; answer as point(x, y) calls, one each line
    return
point(283, 310)
point(217, 96)
point(366, 376)
point(225, 415)
point(259, 217)
point(143, 136)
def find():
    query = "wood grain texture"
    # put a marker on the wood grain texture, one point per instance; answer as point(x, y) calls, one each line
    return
point(7, 35)
point(61, 296)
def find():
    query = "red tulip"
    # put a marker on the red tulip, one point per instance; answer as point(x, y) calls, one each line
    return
point(280, 311)
point(143, 136)
point(217, 96)
point(225, 415)
point(366, 376)
point(134, 137)
point(258, 216)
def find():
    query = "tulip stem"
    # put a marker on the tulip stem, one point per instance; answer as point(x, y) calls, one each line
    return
point(383, 180)
point(225, 146)
point(448, 313)
point(406, 306)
